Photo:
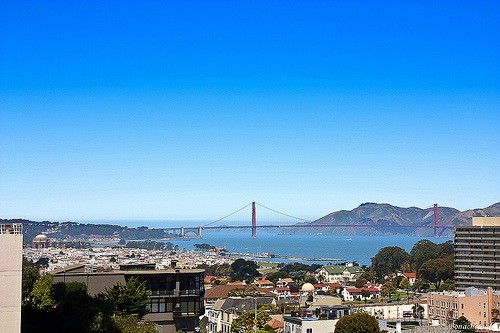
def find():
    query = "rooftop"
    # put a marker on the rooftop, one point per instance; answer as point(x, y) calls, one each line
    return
point(11, 228)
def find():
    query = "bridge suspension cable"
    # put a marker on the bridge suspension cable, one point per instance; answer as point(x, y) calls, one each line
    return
point(277, 212)
point(225, 217)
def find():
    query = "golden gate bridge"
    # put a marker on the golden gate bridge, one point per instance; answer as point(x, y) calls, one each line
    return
point(196, 232)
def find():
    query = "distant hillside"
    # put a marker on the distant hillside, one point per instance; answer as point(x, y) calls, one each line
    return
point(380, 218)
point(383, 219)
point(82, 231)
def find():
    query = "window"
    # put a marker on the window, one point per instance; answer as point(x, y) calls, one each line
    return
point(157, 305)
point(191, 285)
point(309, 330)
point(190, 305)
point(161, 285)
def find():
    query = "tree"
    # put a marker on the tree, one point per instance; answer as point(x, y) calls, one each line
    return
point(369, 275)
point(310, 279)
point(404, 284)
point(51, 302)
point(464, 325)
point(244, 270)
point(388, 289)
point(418, 311)
point(130, 324)
point(437, 270)
point(418, 285)
point(425, 250)
point(275, 276)
point(129, 299)
point(30, 275)
point(389, 259)
point(422, 251)
point(357, 323)
point(360, 282)
point(42, 293)
point(246, 321)
point(204, 247)
point(449, 284)
point(75, 304)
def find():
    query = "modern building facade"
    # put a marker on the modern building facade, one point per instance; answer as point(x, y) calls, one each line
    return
point(480, 307)
point(477, 254)
point(176, 295)
point(11, 271)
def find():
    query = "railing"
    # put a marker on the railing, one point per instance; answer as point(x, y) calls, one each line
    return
point(11, 228)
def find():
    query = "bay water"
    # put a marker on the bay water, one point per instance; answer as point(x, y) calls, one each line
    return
point(288, 247)
point(308, 249)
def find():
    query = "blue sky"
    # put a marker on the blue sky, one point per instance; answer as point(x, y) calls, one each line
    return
point(163, 110)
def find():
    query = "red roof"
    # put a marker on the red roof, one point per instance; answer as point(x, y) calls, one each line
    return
point(360, 290)
point(334, 285)
point(410, 275)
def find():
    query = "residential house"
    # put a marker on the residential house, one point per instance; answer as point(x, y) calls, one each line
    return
point(220, 317)
point(176, 295)
point(263, 283)
point(365, 293)
point(339, 273)
point(410, 276)
point(284, 282)
point(224, 291)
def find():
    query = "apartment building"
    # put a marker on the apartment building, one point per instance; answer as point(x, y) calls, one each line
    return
point(477, 254)
point(11, 263)
point(480, 307)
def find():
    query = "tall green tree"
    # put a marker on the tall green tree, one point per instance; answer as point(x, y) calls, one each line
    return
point(244, 270)
point(357, 323)
point(30, 275)
point(388, 289)
point(73, 302)
point(129, 299)
point(389, 259)
point(42, 293)
point(437, 270)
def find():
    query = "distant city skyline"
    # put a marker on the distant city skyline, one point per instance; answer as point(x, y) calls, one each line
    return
point(127, 110)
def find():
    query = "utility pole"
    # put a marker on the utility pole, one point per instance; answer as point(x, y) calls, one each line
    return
point(255, 315)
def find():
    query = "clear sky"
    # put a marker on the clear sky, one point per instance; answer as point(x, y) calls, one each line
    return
point(192, 109)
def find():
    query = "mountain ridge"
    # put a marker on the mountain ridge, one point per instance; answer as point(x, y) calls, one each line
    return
point(412, 221)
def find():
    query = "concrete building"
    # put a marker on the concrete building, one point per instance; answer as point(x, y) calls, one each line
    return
point(393, 311)
point(480, 307)
point(324, 323)
point(477, 254)
point(11, 271)
point(176, 295)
